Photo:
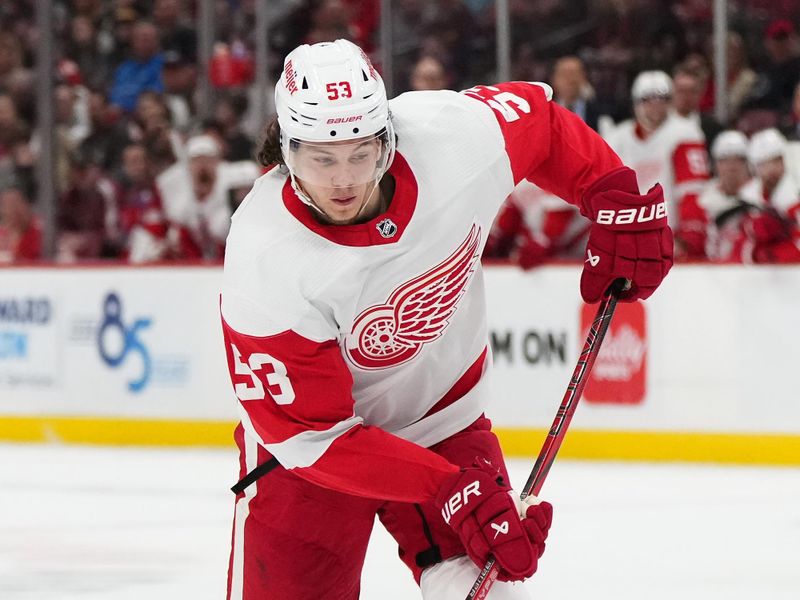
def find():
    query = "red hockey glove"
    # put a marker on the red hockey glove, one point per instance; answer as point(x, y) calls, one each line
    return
point(478, 505)
point(629, 237)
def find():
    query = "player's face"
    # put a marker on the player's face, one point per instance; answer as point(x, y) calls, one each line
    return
point(340, 177)
point(651, 112)
point(732, 173)
point(770, 171)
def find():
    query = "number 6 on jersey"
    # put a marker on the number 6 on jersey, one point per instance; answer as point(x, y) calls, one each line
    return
point(278, 385)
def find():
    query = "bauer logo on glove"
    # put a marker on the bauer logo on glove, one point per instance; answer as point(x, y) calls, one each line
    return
point(628, 216)
point(629, 238)
point(460, 499)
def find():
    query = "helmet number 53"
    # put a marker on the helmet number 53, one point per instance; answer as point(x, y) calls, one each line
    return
point(339, 90)
point(278, 385)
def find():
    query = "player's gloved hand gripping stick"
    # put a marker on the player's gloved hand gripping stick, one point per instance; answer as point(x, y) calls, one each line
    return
point(558, 430)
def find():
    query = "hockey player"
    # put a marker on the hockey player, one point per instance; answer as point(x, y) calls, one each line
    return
point(721, 209)
point(355, 327)
point(535, 226)
point(661, 146)
point(775, 231)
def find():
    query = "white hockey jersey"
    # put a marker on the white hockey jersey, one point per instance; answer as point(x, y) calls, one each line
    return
point(785, 198)
point(210, 217)
point(674, 155)
point(352, 348)
point(725, 240)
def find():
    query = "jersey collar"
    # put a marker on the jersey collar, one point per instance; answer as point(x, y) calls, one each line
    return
point(386, 228)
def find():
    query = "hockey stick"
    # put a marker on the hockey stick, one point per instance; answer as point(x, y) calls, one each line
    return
point(558, 430)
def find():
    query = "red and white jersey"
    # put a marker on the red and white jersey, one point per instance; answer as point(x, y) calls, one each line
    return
point(203, 223)
point(534, 225)
point(725, 239)
point(352, 348)
point(785, 198)
point(674, 155)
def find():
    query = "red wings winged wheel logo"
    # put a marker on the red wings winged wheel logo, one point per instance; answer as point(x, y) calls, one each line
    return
point(416, 312)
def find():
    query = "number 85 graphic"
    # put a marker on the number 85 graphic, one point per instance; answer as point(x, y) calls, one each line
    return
point(112, 320)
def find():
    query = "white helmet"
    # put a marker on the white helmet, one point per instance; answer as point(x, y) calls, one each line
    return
point(330, 92)
point(729, 144)
point(766, 145)
point(649, 84)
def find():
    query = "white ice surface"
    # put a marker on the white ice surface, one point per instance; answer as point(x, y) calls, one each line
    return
point(119, 524)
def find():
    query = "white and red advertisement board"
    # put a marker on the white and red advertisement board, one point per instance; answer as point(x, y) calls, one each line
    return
point(713, 350)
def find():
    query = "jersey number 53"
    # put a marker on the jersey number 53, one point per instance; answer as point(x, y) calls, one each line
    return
point(278, 385)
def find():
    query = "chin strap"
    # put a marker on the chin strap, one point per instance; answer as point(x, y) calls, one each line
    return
point(306, 199)
point(368, 197)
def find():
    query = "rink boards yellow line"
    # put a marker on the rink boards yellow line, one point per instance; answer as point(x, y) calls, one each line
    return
point(737, 448)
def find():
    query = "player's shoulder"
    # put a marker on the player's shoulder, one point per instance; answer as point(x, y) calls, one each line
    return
point(787, 193)
point(263, 204)
point(427, 111)
point(443, 135)
point(275, 266)
point(262, 229)
point(479, 102)
point(623, 130)
point(752, 192)
point(682, 129)
point(261, 290)
point(712, 199)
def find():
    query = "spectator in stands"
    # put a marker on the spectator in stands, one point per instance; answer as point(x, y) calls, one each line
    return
point(775, 231)
point(91, 9)
point(123, 24)
point(83, 47)
point(143, 225)
point(534, 226)
point(142, 71)
point(175, 29)
point(572, 90)
point(364, 19)
point(330, 20)
point(180, 80)
point(450, 32)
point(72, 113)
point(792, 133)
point(20, 229)
point(687, 91)
point(428, 73)
point(791, 123)
point(107, 134)
point(197, 198)
point(231, 65)
point(722, 209)
point(14, 132)
point(81, 214)
point(11, 55)
point(781, 73)
point(152, 126)
point(741, 78)
point(228, 113)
